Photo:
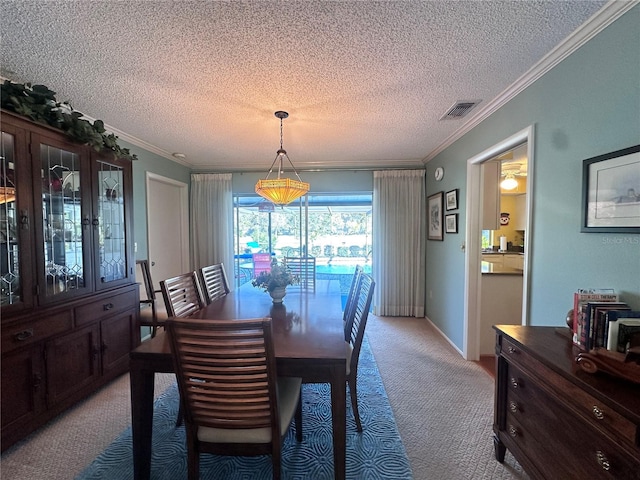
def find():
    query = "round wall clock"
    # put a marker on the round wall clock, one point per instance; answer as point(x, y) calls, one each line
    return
point(439, 173)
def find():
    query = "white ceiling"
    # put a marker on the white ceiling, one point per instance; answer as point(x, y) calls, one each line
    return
point(365, 83)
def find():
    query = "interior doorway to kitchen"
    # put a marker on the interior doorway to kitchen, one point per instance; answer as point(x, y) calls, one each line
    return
point(473, 255)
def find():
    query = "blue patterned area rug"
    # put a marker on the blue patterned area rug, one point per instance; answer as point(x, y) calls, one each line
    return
point(376, 453)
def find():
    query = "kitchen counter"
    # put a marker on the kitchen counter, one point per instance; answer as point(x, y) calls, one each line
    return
point(497, 268)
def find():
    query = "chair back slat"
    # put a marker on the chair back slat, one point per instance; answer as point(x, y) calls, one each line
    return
point(214, 282)
point(182, 295)
point(226, 372)
point(351, 302)
point(359, 316)
point(305, 269)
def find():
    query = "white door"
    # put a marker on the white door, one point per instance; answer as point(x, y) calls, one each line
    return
point(167, 227)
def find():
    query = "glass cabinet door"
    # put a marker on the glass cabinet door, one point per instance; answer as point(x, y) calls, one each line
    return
point(110, 237)
point(66, 222)
point(15, 221)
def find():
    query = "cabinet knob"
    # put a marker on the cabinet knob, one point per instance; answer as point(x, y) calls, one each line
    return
point(23, 335)
point(512, 350)
point(599, 414)
point(513, 431)
point(602, 460)
point(107, 306)
point(513, 406)
point(95, 222)
point(515, 383)
point(24, 220)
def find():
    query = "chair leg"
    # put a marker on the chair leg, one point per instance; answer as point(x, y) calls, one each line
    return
point(354, 400)
point(298, 418)
point(180, 416)
point(193, 459)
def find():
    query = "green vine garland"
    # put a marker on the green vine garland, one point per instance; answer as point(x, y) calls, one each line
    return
point(39, 104)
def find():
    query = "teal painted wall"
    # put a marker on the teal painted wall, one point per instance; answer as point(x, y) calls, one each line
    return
point(149, 162)
point(586, 106)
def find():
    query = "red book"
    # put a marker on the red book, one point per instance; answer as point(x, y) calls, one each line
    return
point(580, 300)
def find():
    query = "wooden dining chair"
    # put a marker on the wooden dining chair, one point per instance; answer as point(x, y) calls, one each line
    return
point(305, 269)
point(358, 322)
point(214, 282)
point(351, 302)
point(152, 313)
point(182, 295)
point(234, 402)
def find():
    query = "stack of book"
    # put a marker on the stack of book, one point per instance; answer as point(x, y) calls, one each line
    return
point(601, 320)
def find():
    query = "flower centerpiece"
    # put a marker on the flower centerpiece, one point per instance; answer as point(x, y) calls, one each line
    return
point(275, 282)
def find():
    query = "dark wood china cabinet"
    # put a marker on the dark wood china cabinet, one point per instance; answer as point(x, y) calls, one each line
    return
point(68, 297)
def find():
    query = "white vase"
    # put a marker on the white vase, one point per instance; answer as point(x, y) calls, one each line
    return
point(277, 294)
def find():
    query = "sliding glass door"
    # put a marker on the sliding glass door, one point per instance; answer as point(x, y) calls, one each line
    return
point(335, 229)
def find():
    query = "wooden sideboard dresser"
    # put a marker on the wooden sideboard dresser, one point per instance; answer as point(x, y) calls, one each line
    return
point(558, 421)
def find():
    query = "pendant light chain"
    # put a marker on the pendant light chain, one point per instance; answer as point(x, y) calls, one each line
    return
point(281, 191)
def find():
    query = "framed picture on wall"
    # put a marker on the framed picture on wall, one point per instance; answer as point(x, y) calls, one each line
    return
point(451, 200)
point(451, 223)
point(434, 216)
point(611, 192)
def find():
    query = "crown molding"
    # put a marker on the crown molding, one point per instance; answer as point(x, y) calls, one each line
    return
point(598, 22)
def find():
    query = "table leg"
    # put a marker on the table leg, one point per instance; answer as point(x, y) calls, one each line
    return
point(142, 384)
point(339, 422)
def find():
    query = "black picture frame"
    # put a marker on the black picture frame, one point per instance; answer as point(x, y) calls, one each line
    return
point(451, 223)
point(611, 192)
point(451, 200)
point(434, 216)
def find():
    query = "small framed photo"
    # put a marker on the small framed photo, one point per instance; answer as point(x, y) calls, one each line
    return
point(434, 216)
point(611, 192)
point(451, 200)
point(451, 223)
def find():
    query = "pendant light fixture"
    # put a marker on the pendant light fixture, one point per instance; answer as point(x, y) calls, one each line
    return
point(281, 191)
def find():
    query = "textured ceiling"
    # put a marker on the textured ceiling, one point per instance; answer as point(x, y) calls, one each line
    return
point(365, 83)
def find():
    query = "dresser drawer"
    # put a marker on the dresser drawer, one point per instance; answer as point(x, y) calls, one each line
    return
point(26, 333)
point(586, 452)
point(590, 408)
point(104, 307)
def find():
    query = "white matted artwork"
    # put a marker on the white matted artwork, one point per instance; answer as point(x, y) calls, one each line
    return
point(434, 216)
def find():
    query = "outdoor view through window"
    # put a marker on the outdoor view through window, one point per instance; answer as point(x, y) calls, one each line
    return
point(335, 229)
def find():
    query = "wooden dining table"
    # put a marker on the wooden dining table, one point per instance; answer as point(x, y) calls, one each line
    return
point(308, 338)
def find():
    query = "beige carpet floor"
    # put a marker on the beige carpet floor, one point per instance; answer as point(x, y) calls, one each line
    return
point(443, 407)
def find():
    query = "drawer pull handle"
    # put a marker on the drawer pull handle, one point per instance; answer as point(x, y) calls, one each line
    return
point(599, 414)
point(512, 350)
point(513, 406)
point(513, 431)
point(515, 383)
point(22, 336)
point(602, 461)
point(107, 306)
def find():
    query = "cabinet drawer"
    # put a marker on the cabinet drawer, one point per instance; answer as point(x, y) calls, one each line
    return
point(590, 408)
point(106, 306)
point(30, 332)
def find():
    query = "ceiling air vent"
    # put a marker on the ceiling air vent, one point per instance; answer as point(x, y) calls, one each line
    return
point(460, 109)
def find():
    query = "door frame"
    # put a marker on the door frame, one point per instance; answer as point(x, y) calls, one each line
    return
point(473, 250)
point(183, 222)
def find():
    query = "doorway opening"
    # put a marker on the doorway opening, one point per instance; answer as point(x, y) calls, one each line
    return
point(477, 206)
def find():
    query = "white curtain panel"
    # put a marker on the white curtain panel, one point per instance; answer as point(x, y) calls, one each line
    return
point(212, 221)
point(399, 242)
